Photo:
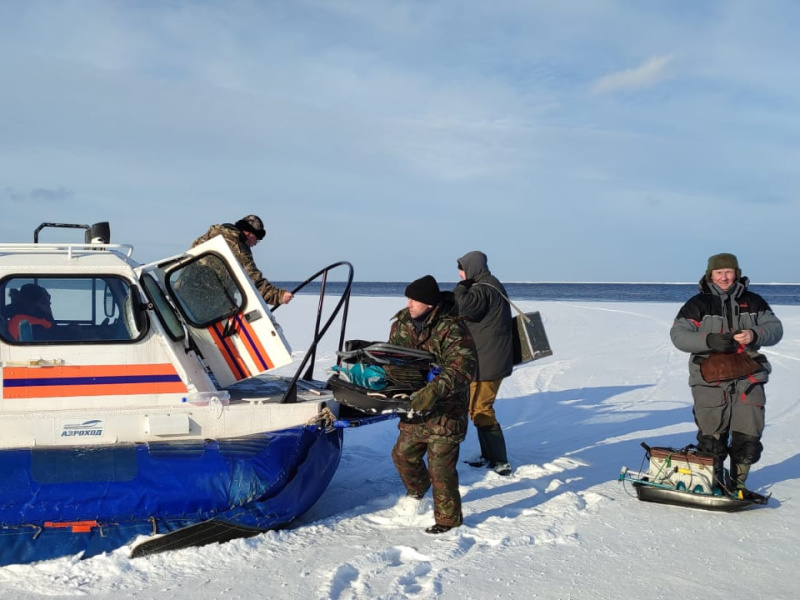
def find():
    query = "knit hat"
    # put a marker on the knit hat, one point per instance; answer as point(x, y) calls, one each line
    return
point(425, 290)
point(723, 261)
point(253, 224)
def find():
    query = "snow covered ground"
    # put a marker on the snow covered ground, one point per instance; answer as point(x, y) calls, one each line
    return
point(561, 527)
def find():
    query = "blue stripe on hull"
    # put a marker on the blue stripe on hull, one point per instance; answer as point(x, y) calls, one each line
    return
point(263, 481)
point(101, 380)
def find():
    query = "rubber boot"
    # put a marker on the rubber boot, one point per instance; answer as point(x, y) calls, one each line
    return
point(495, 446)
point(482, 460)
point(716, 445)
point(739, 473)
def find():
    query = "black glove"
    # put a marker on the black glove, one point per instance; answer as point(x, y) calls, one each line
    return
point(467, 283)
point(722, 342)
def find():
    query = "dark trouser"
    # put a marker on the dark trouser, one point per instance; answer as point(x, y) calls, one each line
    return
point(407, 455)
point(733, 409)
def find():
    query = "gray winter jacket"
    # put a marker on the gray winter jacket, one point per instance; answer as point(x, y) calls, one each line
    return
point(715, 311)
point(488, 317)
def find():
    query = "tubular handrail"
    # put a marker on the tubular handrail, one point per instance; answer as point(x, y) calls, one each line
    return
point(290, 395)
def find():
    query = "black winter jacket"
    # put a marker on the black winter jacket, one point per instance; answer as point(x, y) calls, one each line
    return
point(487, 315)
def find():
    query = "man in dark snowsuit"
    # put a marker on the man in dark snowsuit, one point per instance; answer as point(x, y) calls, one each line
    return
point(727, 318)
point(438, 421)
point(481, 300)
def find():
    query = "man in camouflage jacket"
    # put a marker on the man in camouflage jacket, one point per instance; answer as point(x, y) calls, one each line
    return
point(241, 237)
point(438, 421)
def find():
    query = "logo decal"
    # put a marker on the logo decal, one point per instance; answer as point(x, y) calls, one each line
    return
point(93, 428)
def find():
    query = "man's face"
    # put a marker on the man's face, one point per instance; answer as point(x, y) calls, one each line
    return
point(461, 275)
point(251, 238)
point(417, 308)
point(723, 278)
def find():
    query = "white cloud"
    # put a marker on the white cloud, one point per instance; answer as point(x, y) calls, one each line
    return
point(652, 72)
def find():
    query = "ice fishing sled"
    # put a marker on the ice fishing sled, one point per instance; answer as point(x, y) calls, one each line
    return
point(143, 403)
point(686, 477)
point(378, 378)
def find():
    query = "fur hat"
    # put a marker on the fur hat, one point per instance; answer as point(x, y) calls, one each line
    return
point(723, 261)
point(253, 224)
point(425, 290)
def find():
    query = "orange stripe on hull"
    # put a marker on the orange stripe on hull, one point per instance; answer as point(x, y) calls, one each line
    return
point(90, 380)
point(230, 354)
point(124, 389)
point(88, 371)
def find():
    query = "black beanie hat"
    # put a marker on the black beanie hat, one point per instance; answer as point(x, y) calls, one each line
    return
point(253, 224)
point(723, 261)
point(425, 290)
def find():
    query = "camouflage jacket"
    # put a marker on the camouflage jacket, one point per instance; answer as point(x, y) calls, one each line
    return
point(445, 399)
point(236, 242)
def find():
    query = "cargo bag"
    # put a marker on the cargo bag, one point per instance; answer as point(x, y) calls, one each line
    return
point(529, 340)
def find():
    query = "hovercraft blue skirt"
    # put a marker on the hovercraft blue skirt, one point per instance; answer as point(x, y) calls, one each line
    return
point(58, 501)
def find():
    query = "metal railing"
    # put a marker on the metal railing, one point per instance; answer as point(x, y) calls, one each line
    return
point(320, 329)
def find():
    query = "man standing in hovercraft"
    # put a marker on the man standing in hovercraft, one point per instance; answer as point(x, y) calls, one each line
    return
point(241, 237)
point(723, 328)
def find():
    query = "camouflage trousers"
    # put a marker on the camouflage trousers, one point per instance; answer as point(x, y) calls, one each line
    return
point(407, 454)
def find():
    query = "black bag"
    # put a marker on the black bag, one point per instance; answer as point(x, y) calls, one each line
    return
point(529, 341)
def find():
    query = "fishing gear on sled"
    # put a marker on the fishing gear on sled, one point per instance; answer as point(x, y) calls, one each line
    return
point(688, 477)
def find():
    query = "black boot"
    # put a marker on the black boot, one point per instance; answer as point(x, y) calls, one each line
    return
point(716, 445)
point(479, 461)
point(495, 445)
point(739, 473)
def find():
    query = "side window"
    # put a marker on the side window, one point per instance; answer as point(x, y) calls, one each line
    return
point(166, 314)
point(67, 310)
point(205, 290)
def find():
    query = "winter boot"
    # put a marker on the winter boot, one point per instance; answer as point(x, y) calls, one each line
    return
point(739, 473)
point(482, 460)
point(720, 481)
point(717, 446)
point(495, 445)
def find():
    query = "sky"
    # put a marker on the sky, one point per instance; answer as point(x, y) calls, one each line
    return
point(561, 527)
point(570, 141)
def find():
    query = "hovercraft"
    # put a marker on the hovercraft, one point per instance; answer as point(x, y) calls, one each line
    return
point(139, 403)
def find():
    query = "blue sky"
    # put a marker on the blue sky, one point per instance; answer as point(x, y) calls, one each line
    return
point(570, 141)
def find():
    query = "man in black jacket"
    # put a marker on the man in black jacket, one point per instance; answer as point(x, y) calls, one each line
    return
point(481, 301)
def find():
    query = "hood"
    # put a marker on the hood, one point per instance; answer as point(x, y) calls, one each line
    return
point(474, 264)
